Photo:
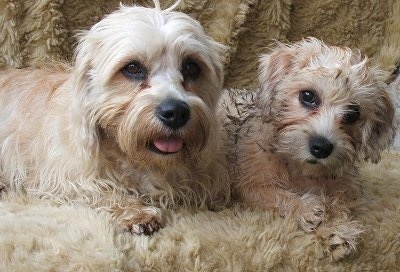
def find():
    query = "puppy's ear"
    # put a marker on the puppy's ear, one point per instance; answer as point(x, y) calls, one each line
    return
point(379, 129)
point(273, 67)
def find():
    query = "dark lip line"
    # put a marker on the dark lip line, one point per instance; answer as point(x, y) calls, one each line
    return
point(312, 161)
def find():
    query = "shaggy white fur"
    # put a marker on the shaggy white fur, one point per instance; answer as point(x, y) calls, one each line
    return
point(129, 128)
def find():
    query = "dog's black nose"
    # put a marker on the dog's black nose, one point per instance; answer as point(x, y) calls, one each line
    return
point(320, 147)
point(173, 113)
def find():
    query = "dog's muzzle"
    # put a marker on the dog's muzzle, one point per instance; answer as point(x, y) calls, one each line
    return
point(320, 147)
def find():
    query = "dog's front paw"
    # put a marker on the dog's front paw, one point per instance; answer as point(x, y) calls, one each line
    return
point(341, 239)
point(313, 213)
point(147, 226)
point(138, 221)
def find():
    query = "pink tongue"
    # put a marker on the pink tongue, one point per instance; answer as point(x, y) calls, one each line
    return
point(169, 145)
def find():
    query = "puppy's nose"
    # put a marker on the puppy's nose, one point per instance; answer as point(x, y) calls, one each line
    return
point(320, 147)
point(173, 113)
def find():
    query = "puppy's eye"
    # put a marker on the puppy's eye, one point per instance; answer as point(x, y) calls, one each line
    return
point(309, 99)
point(190, 70)
point(351, 115)
point(134, 70)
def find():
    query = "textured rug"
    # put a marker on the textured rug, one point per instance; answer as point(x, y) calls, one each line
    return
point(33, 31)
point(36, 236)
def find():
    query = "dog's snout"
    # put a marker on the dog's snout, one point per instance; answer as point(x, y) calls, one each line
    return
point(320, 147)
point(173, 113)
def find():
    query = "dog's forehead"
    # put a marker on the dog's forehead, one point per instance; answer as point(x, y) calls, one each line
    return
point(149, 33)
point(332, 59)
point(339, 66)
point(151, 22)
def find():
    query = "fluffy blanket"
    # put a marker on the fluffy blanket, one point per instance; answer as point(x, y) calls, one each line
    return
point(36, 236)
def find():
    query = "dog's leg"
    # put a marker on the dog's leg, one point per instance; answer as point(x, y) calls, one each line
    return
point(135, 216)
point(312, 212)
point(308, 210)
point(331, 222)
point(339, 235)
point(339, 238)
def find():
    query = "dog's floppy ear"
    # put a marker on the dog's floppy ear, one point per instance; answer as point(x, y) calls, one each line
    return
point(379, 129)
point(81, 89)
point(83, 58)
point(273, 67)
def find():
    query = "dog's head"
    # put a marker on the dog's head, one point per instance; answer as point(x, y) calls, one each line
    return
point(328, 106)
point(148, 80)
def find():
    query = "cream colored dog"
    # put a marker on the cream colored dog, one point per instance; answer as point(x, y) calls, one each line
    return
point(130, 128)
point(320, 111)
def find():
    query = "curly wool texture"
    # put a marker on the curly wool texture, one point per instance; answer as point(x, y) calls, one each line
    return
point(36, 236)
point(37, 31)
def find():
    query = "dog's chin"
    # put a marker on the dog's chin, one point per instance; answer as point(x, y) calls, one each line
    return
point(323, 167)
point(168, 145)
point(314, 167)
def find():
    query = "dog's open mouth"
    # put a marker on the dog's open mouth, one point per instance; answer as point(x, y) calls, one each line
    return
point(166, 145)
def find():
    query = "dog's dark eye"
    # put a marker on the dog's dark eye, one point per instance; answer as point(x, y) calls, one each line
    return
point(352, 115)
point(134, 70)
point(190, 70)
point(309, 99)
